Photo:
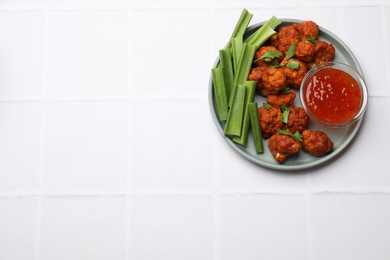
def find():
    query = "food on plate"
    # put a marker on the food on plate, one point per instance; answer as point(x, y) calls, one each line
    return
point(294, 75)
point(316, 143)
point(323, 52)
point(286, 98)
point(298, 120)
point(270, 120)
point(282, 146)
point(267, 55)
point(286, 36)
point(308, 29)
point(273, 80)
point(273, 61)
point(304, 51)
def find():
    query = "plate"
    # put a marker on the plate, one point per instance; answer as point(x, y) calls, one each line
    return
point(341, 137)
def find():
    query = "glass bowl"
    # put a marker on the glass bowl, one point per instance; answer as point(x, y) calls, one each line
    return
point(334, 94)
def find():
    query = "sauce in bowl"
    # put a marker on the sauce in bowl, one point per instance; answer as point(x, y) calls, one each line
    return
point(332, 96)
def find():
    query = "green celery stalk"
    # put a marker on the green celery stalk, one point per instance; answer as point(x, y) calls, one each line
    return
point(236, 47)
point(241, 25)
point(264, 32)
point(255, 125)
point(250, 89)
point(220, 93)
point(244, 67)
point(227, 68)
point(236, 113)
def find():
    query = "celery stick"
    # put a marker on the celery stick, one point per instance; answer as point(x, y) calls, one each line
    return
point(244, 67)
point(220, 93)
point(255, 125)
point(250, 89)
point(245, 63)
point(227, 67)
point(241, 25)
point(236, 112)
point(264, 32)
point(237, 43)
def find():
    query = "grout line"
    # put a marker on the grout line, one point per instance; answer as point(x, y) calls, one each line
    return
point(308, 217)
point(38, 234)
point(216, 199)
point(385, 42)
point(127, 135)
point(200, 193)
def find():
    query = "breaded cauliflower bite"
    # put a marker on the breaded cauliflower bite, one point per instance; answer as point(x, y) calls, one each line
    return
point(316, 143)
point(304, 51)
point(308, 29)
point(269, 120)
point(282, 146)
point(273, 80)
point(285, 37)
point(278, 101)
point(294, 77)
point(323, 52)
point(263, 51)
point(298, 120)
point(255, 75)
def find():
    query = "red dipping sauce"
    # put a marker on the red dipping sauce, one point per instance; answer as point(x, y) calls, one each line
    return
point(332, 96)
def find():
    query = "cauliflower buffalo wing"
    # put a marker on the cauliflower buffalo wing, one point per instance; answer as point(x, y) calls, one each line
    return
point(316, 143)
point(282, 146)
point(269, 120)
point(298, 120)
point(278, 101)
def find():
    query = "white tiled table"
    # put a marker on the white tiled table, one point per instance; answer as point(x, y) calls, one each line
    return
point(108, 149)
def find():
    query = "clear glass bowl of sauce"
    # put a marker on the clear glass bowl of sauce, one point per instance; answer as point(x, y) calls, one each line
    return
point(334, 94)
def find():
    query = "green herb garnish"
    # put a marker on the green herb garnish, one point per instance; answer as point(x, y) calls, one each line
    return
point(297, 135)
point(267, 106)
point(269, 56)
point(290, 52)
point(294, 65)
point(310, 38)
point(285, 90)
point(285, 113)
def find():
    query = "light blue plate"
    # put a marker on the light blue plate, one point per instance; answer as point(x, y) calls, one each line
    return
point(341, 137)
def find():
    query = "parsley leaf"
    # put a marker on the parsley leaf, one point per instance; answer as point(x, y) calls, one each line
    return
point(292, 65)
point(267, 106)
point(269, 56)
point(285, 113)
point(297, 135)
point(286, 90)
point(310, 38)
point(290, 52)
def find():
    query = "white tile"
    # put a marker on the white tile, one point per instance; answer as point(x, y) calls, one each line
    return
point(363, 165)
point(87, 54)
point(85, 3)
point(170, 60)
point(19, 145)
point(350, 226)
point(82, 228)
point(321, 17)
point(387, 41)
point(373, 61)
point(171, 146)
point(170, 3)
point(85, 146)
point(237, 173)
point(172, 228)
point(18, 228)
point(263, 227)
point(21, 65)
point(22, 4)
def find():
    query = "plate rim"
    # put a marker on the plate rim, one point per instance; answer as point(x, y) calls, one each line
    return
point(322, 160)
